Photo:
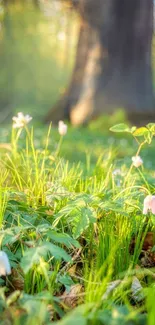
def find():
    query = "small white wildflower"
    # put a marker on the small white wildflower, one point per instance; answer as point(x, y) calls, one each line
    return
point(137, 161)
point(5, 268)
point(21, 120)
point(149, 204)
point(62, 128)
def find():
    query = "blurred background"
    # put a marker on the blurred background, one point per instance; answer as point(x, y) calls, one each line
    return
point(38, 44)
point(37, 48)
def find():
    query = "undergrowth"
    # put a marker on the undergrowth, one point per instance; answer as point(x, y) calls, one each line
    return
point(74, 229)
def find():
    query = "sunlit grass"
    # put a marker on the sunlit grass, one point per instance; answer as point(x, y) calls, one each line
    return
point(70, 208)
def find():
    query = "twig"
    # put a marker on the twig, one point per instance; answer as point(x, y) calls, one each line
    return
point(76, 255)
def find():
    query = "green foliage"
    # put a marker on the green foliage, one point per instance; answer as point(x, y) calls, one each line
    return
point(75, 317)
point(67, 226)
point(120, 128)
point(146, 132)
point(32, 255)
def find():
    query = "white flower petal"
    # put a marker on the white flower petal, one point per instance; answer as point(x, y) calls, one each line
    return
point(15, 118)
point(137, 161)
point(149, 204)
point(21, 120)
point(5, 268)
point(20, 115)
point(17, 125)
point(62, 128)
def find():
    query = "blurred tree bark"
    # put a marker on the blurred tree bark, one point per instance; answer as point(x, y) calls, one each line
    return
point(113, 65)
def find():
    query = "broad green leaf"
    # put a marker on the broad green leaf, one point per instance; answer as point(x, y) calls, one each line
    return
point(79, 225)
point(79, 202)
point(66, 280)
point(37, 310)
point(140, 132)
point(32, 255)
point(82, 220)
point(10, 239)
point(64, 239)
point(120, 128)
point(58, 252)
point(76, 317)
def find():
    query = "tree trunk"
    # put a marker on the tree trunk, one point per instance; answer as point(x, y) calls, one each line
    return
point(72, 95)
point(113, 66)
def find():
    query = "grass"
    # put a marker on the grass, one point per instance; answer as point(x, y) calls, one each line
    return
point(70, 210)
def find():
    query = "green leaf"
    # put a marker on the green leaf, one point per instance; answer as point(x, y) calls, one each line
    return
point(64, 239)
point(10, 239)
point(37, 310)
point(120, 128)
point(66, 280)
point(76, 317)
point(82, 220)
point(58, 252)
point(140, 132)
point(32, 255)
point(151, 127)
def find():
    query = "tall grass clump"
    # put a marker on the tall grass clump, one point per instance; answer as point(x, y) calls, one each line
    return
point(79, 236)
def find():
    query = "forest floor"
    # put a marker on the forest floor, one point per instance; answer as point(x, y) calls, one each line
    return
point(72, 225)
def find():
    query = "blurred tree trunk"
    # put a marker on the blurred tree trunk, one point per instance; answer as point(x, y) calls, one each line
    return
point(113, 66)
point(72, 95)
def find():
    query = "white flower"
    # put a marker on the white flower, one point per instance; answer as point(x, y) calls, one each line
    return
point(137, 161)
point(62, 128)
point(21, 120)
point(149, 204)
point(5, 267)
